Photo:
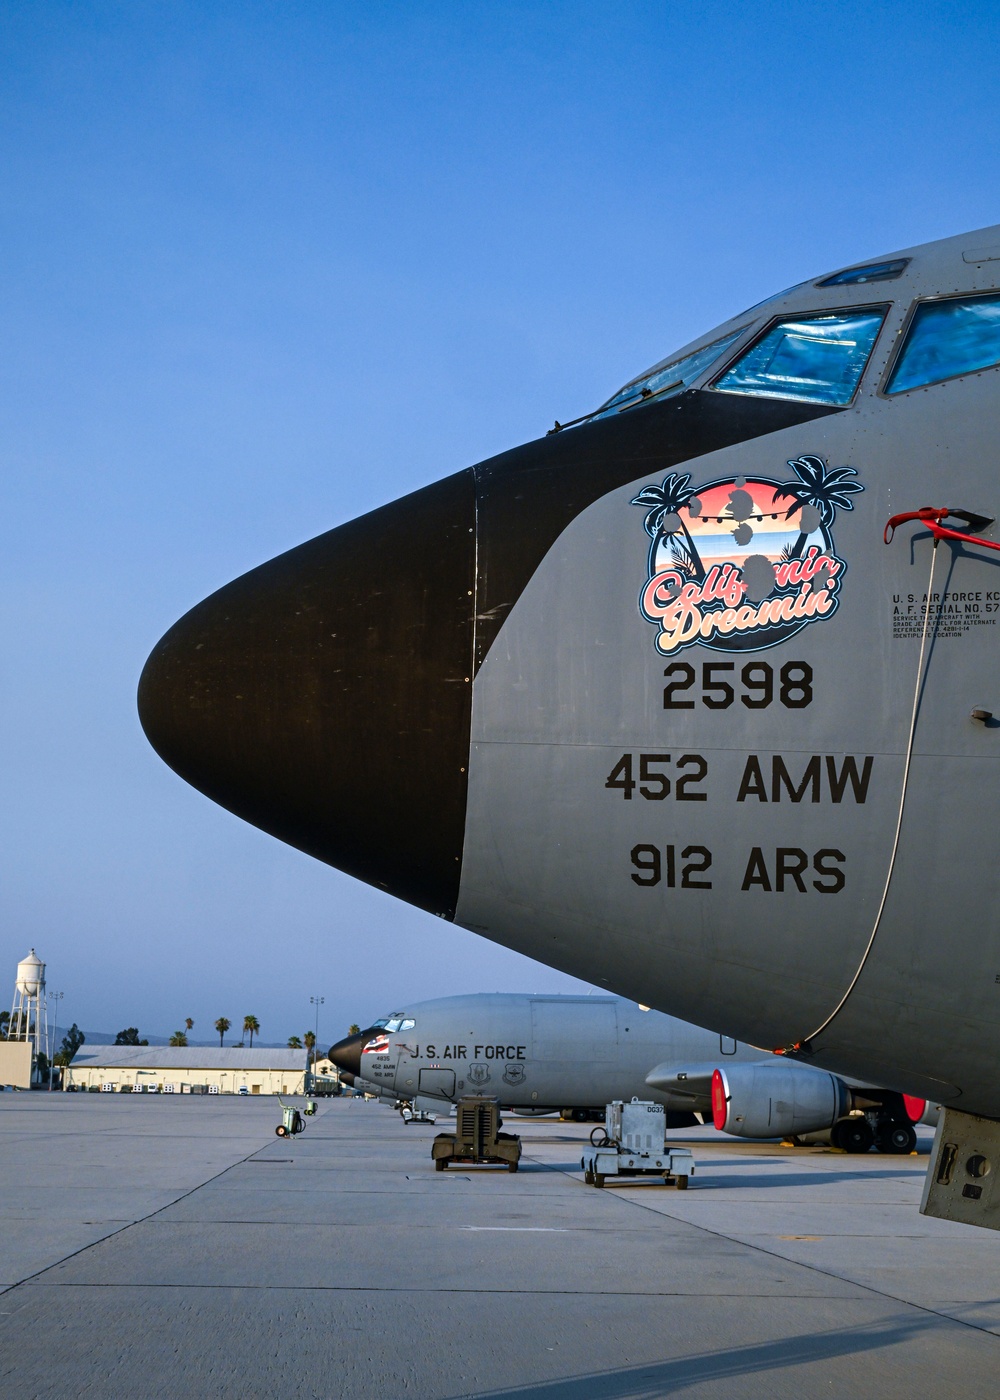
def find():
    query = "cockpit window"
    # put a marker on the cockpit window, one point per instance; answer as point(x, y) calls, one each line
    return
point(816, 359)
point(398, 1022)
point(871, 272)
point(946, 339)
point(667, 378)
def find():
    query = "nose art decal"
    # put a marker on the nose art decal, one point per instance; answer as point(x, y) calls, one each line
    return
point(742, 563)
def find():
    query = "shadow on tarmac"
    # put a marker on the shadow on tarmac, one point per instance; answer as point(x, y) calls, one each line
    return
point(708, 1177)
point(670, 1377)
point(770, 1180)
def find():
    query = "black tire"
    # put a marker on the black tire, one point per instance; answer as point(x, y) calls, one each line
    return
point(895, 1139)
point(512, 1166)
point(439, 1164)
point(588, 1177)
point(598, 1179)
point(682, 1183)
point(853, 1135)
point(280, 1130)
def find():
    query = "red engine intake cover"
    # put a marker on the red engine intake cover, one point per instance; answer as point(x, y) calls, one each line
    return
point(914, 1107)
point(720, 1108)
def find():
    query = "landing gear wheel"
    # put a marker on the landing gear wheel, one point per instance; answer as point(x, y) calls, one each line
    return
point(896, 1139)
point(440, 1163)
point(682, 1183)
point(580, 1115)
point(852, 1135)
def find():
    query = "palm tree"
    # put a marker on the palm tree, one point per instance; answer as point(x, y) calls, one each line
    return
point(825, 491)
point(189, 1024)
point(178, 1038)
point(251, 1024)
point(354, 1028)
point(663, 518)
point(222, 1025)
point(309, 1040)
point(294, 1043)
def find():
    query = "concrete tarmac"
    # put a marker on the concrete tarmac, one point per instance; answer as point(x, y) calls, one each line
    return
point(157, 1246)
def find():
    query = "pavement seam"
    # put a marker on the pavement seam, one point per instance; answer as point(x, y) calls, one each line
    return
point(144, 1219)
point(461, 1292)
point(774, 1254)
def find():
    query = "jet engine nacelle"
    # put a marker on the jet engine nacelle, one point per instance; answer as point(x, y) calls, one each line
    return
point(776, 1100)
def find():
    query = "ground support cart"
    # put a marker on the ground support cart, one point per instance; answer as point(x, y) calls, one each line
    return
point(410, 1113)
point(477, 1137)
point(633, 1143)
point(292, 1123)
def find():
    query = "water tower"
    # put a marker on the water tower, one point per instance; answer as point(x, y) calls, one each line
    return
point(28, 1015)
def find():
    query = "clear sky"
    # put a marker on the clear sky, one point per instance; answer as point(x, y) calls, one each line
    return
point(266, 266)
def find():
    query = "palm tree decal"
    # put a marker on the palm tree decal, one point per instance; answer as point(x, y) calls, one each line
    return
point(663, 519)
point(822, 491)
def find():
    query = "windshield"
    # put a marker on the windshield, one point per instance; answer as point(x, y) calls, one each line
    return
point(818, 359)
point(398, 1022)
point(667, 378)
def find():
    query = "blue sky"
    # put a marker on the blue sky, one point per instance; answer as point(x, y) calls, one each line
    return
point(266, 266)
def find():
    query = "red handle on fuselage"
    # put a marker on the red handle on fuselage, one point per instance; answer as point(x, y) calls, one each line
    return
point(932, 517)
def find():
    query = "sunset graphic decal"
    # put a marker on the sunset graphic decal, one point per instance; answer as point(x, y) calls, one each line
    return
point(743, 563)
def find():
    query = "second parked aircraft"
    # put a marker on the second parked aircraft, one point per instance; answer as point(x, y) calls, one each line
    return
point(539, 1053)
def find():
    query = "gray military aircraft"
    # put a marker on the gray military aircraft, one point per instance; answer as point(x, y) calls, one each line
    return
point(658, 699)
point(577, 1053)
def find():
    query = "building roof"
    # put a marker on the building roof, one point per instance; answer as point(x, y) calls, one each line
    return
point(187, 1058)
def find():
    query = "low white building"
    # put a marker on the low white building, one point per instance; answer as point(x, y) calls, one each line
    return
point(189, 1069)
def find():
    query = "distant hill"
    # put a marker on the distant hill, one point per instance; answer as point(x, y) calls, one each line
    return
point(103, 1038)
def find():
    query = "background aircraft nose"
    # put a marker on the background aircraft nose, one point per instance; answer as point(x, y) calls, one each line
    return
point(346, 1054)
point(326, 696)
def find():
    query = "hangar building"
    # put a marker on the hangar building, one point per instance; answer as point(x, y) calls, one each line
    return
point(191, 1069)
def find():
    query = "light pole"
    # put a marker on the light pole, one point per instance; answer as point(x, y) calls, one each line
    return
point(317, 1002)
point(55, 998)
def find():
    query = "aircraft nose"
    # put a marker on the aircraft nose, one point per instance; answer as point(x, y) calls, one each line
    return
point(326, 696)
point(346, 1054)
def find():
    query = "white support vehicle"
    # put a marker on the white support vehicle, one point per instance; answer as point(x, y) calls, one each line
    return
point(633, 1143)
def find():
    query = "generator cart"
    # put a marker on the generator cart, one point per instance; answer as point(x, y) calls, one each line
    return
point(633, 1143)
point(477, 1137)
point(292, 1122)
